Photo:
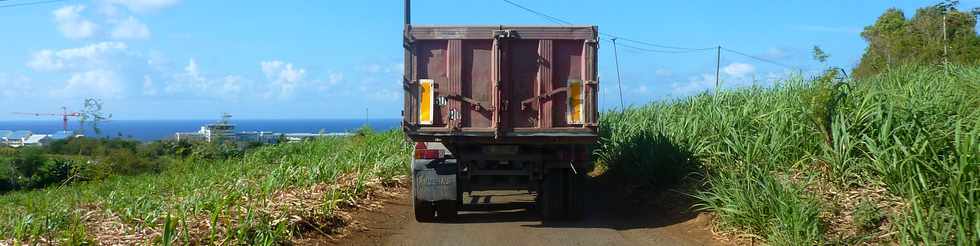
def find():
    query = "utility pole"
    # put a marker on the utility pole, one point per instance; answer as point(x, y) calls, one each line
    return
point(718, 69)
point(408, 12)
point(945, 43)
point(619, 77)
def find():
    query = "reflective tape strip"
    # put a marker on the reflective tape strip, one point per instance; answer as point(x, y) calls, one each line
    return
point(576, 96)
point(426, 101)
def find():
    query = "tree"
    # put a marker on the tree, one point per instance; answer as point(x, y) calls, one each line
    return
point(895, 40)
point(819, 55)
point(93, 115)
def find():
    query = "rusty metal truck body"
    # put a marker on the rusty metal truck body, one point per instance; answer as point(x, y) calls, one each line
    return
point(500, 108)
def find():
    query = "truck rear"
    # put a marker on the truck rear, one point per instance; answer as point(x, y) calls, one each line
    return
point(500, 108)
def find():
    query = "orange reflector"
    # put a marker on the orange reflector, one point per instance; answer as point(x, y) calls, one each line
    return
point(426, 99)
point(575, 102)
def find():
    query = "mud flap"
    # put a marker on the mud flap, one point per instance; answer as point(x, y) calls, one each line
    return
point(434, 180)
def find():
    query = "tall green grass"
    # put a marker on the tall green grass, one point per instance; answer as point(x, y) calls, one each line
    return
point(222, 191)
point(913, 130)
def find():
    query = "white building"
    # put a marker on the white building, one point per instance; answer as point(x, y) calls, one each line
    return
point(27, 138)
point(3, 137)
point(259, 137)
point(37, 140)
point(221, 130)
point(14, 138)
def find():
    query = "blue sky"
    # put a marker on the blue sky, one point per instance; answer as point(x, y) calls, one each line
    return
point(180, 59)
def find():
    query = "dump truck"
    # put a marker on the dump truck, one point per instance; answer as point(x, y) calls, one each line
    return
point(500, 108)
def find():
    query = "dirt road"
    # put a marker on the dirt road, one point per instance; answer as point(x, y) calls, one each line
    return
point(509, 218)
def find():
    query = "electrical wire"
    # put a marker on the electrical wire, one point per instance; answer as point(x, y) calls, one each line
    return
point(665, 51)
point(669, 49)
point(759, 58)
point(565, 22)
point(546, 16)
point(619, 78)
point(654, 45)
point(28, 3)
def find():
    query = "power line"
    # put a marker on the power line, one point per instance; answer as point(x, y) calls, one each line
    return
point(565, 22)
point(665, 51)
point(546, 16)
point(28, 3)
point(654, 45)
point(759, 58)
point(618, 76)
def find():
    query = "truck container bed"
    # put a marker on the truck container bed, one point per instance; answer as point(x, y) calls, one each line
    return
point(500, 108)
point(501, 83)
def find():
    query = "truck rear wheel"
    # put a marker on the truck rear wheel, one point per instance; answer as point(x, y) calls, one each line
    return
point(561, 195)
point(551, 200)
point(446, 209)
point(424, 211)
point(575, 195)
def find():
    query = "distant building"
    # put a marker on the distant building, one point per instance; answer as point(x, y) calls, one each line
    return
point(17, 138)
point(37, 140)
point(3, 137)
point(221, 130)
point(259, 137)
point(226, 131)
point(296, 137)
point(27, 138)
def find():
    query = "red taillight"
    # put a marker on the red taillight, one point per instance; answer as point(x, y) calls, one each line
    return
point(422, 152)
point(426, 154)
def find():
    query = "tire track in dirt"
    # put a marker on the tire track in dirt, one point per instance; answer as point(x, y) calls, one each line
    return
point(612, 218)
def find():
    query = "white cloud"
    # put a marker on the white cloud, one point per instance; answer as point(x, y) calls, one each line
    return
point(94, 55)
point(192, 82)
point(192, 70)
point(131, 28)
point(642, 89)
point(12, 87)
point(283, 77)
point(100, 69)
point(71, 23)
point(144, 5)
point(148, 88)
point(333, 78)
point(230, 85)
point(776, 53)
point(739, 70)
point(100, 83)
point(694, 84)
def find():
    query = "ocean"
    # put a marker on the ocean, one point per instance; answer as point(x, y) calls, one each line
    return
point(150, 130)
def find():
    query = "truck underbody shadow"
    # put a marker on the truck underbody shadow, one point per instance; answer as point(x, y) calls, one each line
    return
point(609, 204)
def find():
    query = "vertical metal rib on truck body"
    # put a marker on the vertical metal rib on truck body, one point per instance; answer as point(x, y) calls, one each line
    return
point(501, 84)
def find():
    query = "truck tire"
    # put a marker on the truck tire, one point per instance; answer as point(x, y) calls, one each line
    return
point(424, 211)
point(446, 209)
point(574, 190)
point(552, 200)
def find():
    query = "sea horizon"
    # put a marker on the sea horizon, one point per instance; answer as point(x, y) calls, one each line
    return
point(158, 129)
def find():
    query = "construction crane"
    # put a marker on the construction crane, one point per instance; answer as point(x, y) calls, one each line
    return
point(64, 116)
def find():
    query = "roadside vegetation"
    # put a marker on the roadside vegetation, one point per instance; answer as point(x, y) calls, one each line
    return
point(890, 158)
point(92, 159)
point(269, 195)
